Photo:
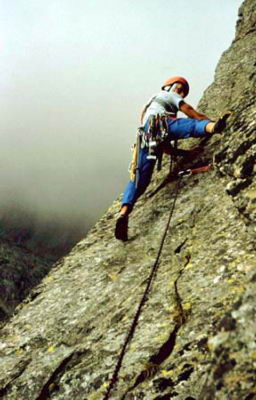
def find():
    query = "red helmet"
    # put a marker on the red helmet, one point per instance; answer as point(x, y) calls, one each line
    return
point(177, 79)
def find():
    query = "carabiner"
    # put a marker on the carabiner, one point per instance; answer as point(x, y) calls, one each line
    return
point(185, 173)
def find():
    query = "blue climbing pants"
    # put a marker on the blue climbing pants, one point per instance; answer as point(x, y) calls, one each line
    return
point(180, 128)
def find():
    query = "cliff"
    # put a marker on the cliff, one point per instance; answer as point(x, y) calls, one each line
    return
point(29, 246)
point(195, 338)
point(21, 269)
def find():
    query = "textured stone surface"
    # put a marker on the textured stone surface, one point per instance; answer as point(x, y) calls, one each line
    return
point(196, 335)
point(234, 89)
point(20, 270)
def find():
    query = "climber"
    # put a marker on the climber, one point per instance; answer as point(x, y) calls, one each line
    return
point(166, 103)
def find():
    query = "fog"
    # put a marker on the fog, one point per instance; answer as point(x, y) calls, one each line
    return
point(74, 77)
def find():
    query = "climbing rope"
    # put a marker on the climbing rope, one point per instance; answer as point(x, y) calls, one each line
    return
point(166, 349)
point(144, 298)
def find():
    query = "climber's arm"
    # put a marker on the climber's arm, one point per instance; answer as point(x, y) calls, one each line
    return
point(191, 112)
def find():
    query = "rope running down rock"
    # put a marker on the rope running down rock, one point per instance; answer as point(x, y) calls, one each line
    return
point(144, 299)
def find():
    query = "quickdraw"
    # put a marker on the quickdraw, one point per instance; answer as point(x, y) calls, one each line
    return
point(173, 176)
point(189, 172)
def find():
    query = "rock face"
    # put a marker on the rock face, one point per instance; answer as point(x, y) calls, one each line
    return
point(195, 338)
point(28, 249)
point(20, 270)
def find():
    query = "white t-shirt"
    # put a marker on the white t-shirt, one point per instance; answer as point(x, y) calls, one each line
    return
point(168, 104)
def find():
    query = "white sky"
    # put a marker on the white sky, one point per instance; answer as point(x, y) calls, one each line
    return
point(74, 76)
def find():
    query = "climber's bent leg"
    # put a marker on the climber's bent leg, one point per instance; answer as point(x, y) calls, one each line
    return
point(183, 128)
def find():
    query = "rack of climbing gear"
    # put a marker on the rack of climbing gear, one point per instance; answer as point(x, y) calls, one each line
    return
point(154, 137)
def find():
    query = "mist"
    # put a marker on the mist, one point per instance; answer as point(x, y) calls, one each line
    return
point(74, 77)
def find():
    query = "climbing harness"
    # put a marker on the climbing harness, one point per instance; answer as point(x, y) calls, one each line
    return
point(144, 298)
point(154, 138)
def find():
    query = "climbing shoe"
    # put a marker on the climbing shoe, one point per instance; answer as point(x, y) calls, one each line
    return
point(221, 123)
point(121, 230)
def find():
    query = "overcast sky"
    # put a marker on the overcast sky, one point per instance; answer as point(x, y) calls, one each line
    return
point(74, 76)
